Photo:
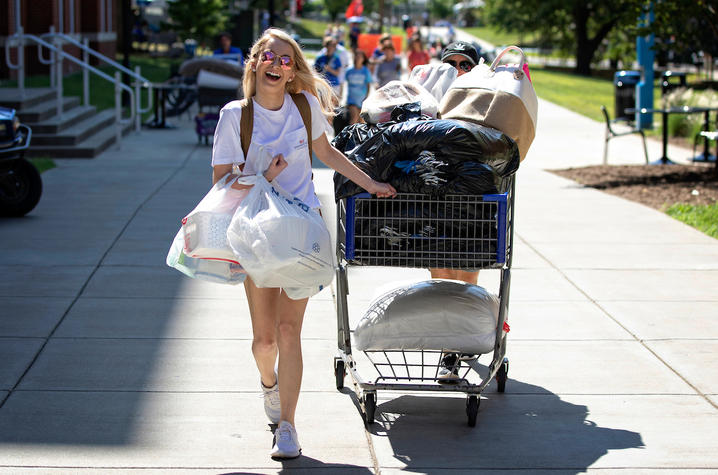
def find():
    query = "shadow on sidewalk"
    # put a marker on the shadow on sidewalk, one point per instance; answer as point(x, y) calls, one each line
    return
point(526, 428)
point(308, 465)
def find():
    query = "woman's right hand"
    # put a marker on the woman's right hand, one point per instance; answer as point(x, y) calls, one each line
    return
point(276, 166)
point(381, 190)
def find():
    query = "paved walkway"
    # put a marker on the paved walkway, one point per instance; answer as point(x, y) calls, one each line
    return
point(111, 360)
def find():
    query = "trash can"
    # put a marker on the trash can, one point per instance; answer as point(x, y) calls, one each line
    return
point(666, 84)
point(624, 83)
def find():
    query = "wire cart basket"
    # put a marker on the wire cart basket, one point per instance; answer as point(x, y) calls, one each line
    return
point(422, 231)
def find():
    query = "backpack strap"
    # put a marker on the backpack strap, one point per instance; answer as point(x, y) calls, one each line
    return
point(300, 100)
point(246, 125)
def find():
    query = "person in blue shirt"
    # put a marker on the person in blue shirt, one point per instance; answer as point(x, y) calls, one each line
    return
point(225, 47)
point(330, 65)
point(359, 81)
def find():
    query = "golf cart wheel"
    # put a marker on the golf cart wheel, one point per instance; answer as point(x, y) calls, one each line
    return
point(20, 188)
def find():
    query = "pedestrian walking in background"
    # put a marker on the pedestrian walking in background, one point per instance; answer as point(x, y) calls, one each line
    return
point(389, 67)
point(225, 47)
point(417, 54)
point(354, 32)
point(359, 80)
point(329, 64)
point(383, 41)
point(275, 69)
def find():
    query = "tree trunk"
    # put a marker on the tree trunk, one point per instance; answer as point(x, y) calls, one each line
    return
point(586, 47)
point(584, 54)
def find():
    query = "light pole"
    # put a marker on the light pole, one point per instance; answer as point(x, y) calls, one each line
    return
point(645, 56)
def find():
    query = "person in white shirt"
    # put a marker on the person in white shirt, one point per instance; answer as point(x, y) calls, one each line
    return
point(276, 67)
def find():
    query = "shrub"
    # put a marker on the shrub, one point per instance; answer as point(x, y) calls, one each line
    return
point(688, 125)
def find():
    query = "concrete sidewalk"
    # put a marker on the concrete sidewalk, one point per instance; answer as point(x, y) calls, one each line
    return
point(112, 362)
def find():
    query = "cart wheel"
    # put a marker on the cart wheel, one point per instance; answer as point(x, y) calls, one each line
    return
point(339, 373)
point(502, 375)
point(472, 409)
point(369, 407)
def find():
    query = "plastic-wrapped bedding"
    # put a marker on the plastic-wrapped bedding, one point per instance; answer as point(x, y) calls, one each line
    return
point(435, 157)
point(430, 315)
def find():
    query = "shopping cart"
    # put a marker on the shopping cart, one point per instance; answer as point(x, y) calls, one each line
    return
point(422, 231)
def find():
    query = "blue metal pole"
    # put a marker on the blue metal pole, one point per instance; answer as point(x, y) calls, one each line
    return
point(646, 56)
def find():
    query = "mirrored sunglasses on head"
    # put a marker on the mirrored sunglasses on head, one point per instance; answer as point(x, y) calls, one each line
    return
point(465, 66)
point(269, 56)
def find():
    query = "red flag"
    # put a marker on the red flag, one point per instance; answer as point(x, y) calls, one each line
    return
point(355, 8)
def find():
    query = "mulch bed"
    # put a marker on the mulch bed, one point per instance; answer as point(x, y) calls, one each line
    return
point(657, 186)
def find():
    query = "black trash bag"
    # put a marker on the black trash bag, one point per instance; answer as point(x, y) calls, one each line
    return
point(341, 119)
point(354, 135)
point(408, 111)
point(435, 157)
point(350, 137)
point(449, 232)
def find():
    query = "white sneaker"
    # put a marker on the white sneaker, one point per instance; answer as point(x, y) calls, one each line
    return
point(286, 442)
point(271, 401)
point(449, 369)
point(448, 376)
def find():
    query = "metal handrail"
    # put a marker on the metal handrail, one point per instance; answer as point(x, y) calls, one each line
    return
point(140, 81)
point(144, 82)
point(20, 38)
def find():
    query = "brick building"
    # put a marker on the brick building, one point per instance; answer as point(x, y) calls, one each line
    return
point(96, 20)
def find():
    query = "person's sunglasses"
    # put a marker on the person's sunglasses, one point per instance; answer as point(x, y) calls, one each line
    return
point(269, 56)
point(465, 66)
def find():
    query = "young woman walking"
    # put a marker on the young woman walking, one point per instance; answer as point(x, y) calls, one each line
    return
point(275, 68)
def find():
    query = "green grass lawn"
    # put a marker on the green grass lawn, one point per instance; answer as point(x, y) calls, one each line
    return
point(581, 94)
point(500, 38)
point(577, 93)
point(42, 164)
point(704, 218)
point(307, 28)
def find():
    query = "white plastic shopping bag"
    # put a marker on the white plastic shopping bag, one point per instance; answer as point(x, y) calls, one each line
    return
point(222, 272)
point(205, 228)
point(280, 241)
point(377, 107)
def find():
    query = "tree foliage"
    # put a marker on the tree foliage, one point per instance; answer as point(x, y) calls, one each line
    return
point(585, 27)
point(571, 25)
point(336, 7)
point(201, 20)
point(441, 8)
point(685, 26)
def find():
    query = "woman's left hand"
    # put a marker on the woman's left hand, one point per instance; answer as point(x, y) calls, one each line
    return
point(381, 190)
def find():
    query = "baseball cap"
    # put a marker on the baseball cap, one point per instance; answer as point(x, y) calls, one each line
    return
point(461, 48)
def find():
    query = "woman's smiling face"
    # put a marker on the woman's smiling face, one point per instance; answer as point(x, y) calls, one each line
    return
point(271, 74)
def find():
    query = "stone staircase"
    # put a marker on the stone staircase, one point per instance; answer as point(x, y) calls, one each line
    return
point(80, 132)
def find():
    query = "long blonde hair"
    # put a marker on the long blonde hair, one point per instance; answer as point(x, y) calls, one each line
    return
point(305, 78)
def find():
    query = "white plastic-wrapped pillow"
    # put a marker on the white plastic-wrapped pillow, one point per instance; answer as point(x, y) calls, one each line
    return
point(435, 78)
point(430, 315)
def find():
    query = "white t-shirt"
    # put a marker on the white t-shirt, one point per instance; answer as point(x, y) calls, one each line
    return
point(281, 131)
